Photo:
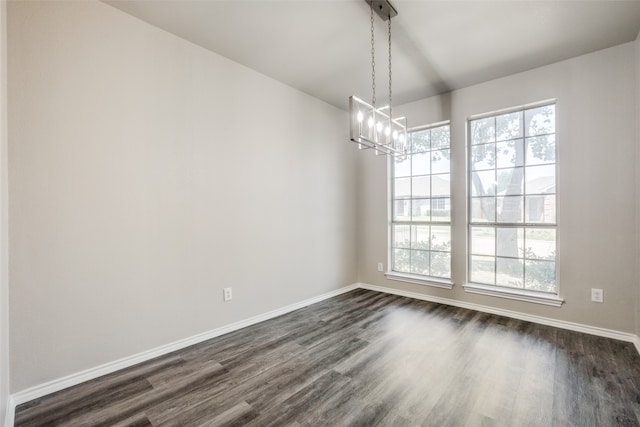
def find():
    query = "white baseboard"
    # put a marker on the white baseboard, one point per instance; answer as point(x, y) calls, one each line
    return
point(11, 411)
point(98, 371)
point(577, 327)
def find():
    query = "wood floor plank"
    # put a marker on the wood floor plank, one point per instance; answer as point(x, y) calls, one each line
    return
point(104, 391)
point(239, 415)
point(138, 420)
point(244, 382)
point(302, 403)
point(365, 359)
point(190, 383)
point(537, 378)
point(106, 398)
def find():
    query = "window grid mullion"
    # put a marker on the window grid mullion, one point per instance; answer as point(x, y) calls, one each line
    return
point(524, 259)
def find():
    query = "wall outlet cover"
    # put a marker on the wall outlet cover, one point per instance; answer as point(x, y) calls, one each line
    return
point(597, 295)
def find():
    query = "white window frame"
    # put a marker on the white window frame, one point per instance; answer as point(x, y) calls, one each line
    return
point(409, 277)
point(552, 299)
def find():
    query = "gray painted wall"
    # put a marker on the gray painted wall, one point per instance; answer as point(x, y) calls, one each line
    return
point(597, 238)
point(4, 253)
point(147, 174)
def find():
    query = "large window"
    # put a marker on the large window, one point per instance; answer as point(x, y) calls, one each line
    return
point(421, 204)
point(512, 199)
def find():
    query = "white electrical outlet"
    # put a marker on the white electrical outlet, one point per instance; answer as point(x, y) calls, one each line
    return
point(380, 266)
point(227, 294)
point(597, 295)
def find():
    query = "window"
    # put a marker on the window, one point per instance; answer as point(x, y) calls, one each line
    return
point(512, 200)
point(421, 206)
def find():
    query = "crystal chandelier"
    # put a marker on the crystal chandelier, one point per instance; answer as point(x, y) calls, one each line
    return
point(370, 126)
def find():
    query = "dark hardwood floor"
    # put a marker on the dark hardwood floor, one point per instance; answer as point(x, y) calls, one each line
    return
point(363, 359)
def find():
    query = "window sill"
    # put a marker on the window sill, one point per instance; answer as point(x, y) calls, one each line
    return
point(519, 295)
point(420, 280)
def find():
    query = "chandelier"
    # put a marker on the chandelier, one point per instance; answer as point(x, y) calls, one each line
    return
point(370, 126)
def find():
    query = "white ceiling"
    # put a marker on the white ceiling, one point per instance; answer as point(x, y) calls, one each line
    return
point(322, 47)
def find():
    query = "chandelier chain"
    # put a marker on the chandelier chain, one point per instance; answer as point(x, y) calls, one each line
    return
point(373, 62)
point(390, 68)
point(370, 126)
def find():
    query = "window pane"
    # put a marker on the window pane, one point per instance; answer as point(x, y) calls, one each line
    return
point(402, 187)
point(420, 186)
point(541, 150)
point(402, 210)
point(483, 183)
point(483, 209)
point(441, 238)
point(440, 185)
point(483, 240)
point(414, 185)
point(541, 244)
point(483, 157)
point(509, 154)
point(483, 269)
point(510, 209)
point(440, 137)
point(483, 130)
point(512, 199)
point(509, 126)
point(441, 210)
point(510, 242)
point(441, 264)
point(541, 209)
point(421, 210)
point(402, 260)
point(510, 181)
point(420, 140)
point(540, 121)
point(401, 167)
point(420, 236)
point(420, 164)
point(510, 272)
point(401, 236)
point(540, 276)
point(540, 179)
point(420, 262)
point(440, 161)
